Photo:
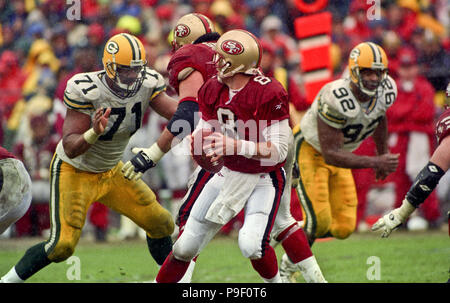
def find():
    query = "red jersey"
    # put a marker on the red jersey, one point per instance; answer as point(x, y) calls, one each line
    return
point(443, 126)
point(261, 102)
point(414, 110)
point(197, 56)
point(4, 153)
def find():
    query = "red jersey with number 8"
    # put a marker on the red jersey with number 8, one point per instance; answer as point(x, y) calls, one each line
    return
point(260, 103)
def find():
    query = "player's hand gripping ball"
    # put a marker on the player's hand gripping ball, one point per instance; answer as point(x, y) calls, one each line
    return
point(199, 139)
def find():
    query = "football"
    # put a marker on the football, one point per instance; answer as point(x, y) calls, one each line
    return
point(198, 153)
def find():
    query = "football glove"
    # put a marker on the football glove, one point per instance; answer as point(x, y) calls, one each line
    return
point(145, 159)
point(393, 219)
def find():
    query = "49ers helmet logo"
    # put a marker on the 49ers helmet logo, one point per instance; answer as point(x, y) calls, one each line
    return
point(182, 30)
point(232, 47)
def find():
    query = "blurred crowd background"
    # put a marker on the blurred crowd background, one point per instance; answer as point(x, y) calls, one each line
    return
point(41, 47)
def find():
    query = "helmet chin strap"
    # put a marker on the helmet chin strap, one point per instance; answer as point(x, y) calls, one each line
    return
point(361, 86)
point(120, 84)
point(222, 73)
point(250, 71)
point(366, 91)
point(117, 78)
point(125, 90)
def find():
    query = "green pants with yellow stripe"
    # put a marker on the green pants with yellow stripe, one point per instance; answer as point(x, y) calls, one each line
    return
point(72, 193)
point(327, 194)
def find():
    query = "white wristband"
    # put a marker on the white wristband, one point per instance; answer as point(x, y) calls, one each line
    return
point(248, 149)
point(406, 209)
point(155, 153)
point(90, 136)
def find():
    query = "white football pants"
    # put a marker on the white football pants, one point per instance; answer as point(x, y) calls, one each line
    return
point(260, 211)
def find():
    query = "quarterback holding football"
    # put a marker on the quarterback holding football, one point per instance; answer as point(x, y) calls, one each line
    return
point(253, 177)
point(190, 66)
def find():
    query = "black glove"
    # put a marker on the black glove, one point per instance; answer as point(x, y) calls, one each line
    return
point(142, 162)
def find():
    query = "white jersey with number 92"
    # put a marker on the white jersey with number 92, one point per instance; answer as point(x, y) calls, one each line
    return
point(336, 105)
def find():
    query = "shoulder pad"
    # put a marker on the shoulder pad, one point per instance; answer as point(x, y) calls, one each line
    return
point(337, 102)
point(81, 91)
point(85, 84)
point(184, 73)
point(389, 91)
point(152, 77)
point(153, 80)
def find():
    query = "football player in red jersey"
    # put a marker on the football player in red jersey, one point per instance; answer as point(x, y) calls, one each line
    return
point(251, 111)
point(425, 181)
point(15, 189)
point(190, 66)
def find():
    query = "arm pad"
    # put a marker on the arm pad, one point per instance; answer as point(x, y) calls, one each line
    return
point(424, 184)
point(183, 120)
point(278, 134)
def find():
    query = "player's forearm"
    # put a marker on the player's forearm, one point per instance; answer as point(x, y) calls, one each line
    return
point(262, 150)
point(75, 145)
point(380, 137)
point(275, 146)
point(164, 105)
point(166, 141)
point(346, 159)
point(424, 184)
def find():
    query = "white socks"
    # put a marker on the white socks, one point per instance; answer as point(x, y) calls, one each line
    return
point(311, 271)
point(275, 279)
point(11, 277)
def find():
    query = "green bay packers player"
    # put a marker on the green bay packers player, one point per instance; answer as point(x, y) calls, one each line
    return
point(343, 114)
point(104, 108)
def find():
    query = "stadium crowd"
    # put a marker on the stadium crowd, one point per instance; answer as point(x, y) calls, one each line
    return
point(42, 46)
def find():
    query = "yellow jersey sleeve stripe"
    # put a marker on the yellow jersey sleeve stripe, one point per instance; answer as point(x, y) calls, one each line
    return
point(332, 119)
point(157, 91)
point(76, 104)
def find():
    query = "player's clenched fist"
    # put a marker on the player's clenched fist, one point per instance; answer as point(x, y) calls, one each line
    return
point(387, 164)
